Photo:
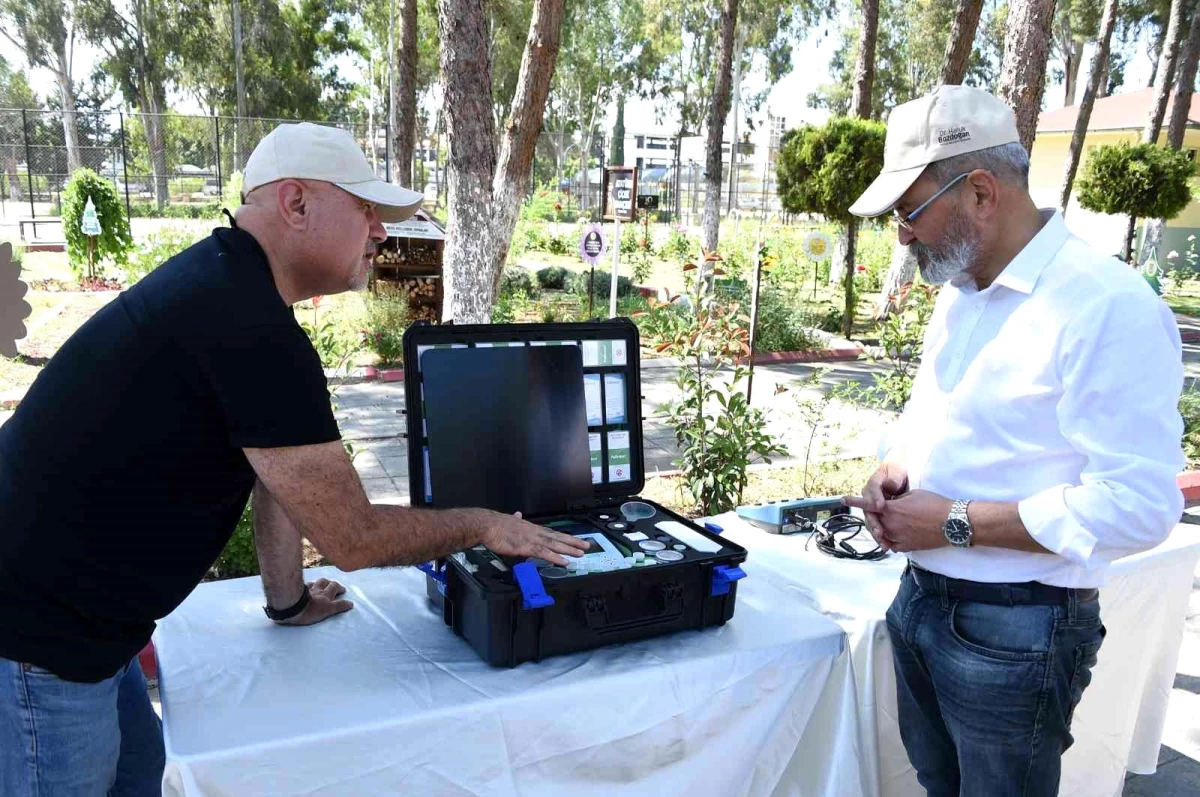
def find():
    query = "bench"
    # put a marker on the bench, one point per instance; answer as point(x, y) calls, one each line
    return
point(34, 223)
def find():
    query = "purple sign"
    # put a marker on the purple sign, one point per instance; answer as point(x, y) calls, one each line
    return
point(592, 245)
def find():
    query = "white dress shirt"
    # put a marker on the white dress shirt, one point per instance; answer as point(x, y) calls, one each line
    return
point(1056, 387)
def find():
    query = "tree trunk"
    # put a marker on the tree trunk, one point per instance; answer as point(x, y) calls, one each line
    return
point(1184, 82)
point(837, 258)
point(1102, 92)
point(902, 271)
point(718, 110)
point(485, 192)
point(67, 95)
point(1156, 51)
point(864, 68)
point(848, 278)
point(152, 121)
point(962, 39)
point(1074, 59)
point(1165, 71)
point(405, 98)
point(1023, 73)
point(737, 101)
point(1100, 58)
point(239, 157)
point(15, 191)
point(1127, 250)
point(1180, 106)
point(617, 152)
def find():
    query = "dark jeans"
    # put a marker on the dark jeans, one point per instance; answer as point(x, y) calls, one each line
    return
point(986, 690)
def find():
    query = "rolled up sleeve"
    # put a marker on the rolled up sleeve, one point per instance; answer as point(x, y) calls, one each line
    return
point(1121, 374)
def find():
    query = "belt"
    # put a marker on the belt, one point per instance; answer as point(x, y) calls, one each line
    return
point(1030, 592)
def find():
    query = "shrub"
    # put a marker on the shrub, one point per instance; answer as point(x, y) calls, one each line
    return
point(332, 344)
point(240, 558)
point(184, 210)
point(156, 249)
point(387, 318)
point(515, 279)
point(823, 169)
point(1189, 410)
point(718, 432)
point(1138, 180)
point(577, 282)
point(545, 205)
point(231, 196)
point(783, 322)
point(114, 241)
point(679, 246)
point(552, 278)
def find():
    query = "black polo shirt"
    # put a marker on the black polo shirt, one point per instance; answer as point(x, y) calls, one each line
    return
point(122, 474)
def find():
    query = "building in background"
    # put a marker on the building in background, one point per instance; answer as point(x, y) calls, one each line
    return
point(1114, 120)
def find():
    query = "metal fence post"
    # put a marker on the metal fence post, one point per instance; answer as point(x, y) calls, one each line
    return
point(125, 167)
point(387, 150)
point(217, 138)
point(28, 162)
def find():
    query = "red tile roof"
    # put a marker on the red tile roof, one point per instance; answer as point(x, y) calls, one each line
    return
point(1119, 112)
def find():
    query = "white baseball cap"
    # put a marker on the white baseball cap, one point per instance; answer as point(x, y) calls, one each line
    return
point(306, 151)
point(953, 120)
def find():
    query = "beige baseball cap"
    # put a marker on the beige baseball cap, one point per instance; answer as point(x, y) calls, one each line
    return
point(953, 120)
point(306, 151)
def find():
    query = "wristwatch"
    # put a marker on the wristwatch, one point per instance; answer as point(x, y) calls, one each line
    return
point(957, 527)
point(278, 615)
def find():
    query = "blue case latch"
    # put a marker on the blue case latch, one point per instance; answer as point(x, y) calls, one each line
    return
point(533, 592)
point(434, 572)
point(723, 576)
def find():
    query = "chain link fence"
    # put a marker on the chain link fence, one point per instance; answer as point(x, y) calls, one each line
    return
point(179, 166)
point(162, 165)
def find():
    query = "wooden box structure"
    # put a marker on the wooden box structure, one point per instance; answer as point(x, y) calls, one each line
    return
point(408, 265)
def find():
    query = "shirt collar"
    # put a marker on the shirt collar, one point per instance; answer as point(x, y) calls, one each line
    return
point(1023, 271)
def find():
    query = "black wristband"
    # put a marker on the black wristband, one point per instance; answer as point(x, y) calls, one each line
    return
point(286, 614)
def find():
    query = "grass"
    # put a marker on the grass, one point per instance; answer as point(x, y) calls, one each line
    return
point(37, 266)
point(1184, 297)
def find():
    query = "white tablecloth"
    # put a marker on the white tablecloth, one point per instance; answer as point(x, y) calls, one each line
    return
point(386, 700)
point(1118, 724)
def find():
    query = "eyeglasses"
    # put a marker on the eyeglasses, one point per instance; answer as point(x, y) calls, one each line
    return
point(907, 221)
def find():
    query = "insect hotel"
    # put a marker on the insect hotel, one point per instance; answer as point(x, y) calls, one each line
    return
point(408, 265)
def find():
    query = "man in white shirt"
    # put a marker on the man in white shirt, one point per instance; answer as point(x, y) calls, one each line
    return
point(1041, 442)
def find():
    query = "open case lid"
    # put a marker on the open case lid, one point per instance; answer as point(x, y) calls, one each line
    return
point(612, 388)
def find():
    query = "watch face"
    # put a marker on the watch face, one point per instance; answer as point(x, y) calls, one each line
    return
point(958, 532)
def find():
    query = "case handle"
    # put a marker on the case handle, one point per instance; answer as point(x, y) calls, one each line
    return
point(595, 611)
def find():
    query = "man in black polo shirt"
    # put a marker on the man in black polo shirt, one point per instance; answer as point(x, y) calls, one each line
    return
point(125, 469)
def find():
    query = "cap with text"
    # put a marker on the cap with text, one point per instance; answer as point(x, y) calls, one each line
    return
point(952, 120)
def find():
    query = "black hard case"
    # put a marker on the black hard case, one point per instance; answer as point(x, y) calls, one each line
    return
point(587, 611)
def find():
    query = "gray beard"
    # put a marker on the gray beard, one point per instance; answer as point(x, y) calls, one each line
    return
point(957, 252)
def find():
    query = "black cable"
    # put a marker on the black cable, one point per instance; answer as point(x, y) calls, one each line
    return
point(826, 534)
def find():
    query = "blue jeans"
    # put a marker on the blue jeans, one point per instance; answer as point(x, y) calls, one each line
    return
point(986, 691)
point(66, 738)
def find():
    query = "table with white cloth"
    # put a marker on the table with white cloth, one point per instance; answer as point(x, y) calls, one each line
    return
point(1119, 722)
point(385, 699)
